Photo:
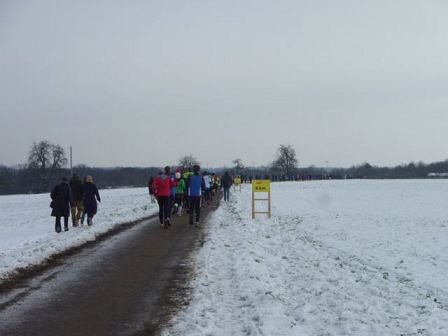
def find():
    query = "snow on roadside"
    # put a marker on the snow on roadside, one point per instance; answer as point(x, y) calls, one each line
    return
point(337, 258)
point(27, 235)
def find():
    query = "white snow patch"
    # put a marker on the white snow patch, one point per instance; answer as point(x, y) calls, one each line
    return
point(336, 258)
point(27, 235)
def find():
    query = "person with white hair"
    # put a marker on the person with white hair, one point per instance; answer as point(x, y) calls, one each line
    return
point(180, 192)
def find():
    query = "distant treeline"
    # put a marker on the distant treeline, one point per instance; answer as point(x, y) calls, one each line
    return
point(365, 171)
point(407, 171)
point(26, 180)
point(23, 180)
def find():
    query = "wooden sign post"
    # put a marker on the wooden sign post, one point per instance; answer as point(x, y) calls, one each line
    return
point(237, 183)
point(261, 186)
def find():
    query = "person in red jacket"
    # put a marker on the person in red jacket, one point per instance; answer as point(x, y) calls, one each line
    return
point(162, 190)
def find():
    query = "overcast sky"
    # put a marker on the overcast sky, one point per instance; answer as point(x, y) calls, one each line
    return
point(142, 83)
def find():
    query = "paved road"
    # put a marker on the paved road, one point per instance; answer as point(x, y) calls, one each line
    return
point(128, 284)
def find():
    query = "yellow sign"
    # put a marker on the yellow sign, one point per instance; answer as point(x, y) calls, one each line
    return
point(237, 181)
point(261, 185)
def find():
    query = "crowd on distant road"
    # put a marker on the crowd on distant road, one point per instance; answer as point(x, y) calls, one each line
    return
point(186, 188)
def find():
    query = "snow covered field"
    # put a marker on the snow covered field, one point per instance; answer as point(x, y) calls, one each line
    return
point(27, 233)
point(336, 258)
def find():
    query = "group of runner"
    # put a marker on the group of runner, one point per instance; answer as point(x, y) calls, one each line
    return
point(185, 188)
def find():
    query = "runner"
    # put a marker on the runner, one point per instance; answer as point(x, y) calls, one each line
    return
point(195, 185)
point(180, 192)
point(162, 190)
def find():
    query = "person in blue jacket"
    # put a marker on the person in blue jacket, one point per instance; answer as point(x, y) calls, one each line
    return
point(195, 186)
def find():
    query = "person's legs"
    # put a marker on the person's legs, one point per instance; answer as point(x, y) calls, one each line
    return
point(198, 209)
point(66, 223)
point(178, 201)
point(57, 225)
point(73, 209)
point(83, 216)
point(191, 204)
point(159, 201)
point(187, 203)
point(79, 211)
point(172, 207)
point(175, 205)
point(167, 210)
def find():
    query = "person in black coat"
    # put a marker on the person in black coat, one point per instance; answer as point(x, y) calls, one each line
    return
point(91, 195)
point(226, 183)
point(62, 200)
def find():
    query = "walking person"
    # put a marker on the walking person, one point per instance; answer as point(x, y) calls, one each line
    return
point(180, 192)
point(91, 196)
point(212, 186)
point(207, 182)
point(215, 182)
point(162, 190)
point(173, 193)
point(195, 186)
point(226, 183)
point(83, 215)
point(62, 200)
point(151, 192)
point(186, 175)
point(78, 194)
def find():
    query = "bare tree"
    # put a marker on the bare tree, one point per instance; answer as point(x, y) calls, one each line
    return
point(45, 159)
point(58, 157)
point(45, 155)
point(39, 155)
point(188, 161)
point(286, 161)
point(238, 166)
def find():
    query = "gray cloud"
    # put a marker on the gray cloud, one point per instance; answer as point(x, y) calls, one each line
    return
point(145, 82)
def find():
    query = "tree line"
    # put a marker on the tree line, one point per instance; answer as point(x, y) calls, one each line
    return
point(22, 180)
point(46, 165)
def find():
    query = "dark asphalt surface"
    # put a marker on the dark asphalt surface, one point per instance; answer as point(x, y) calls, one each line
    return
point(129, 284)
